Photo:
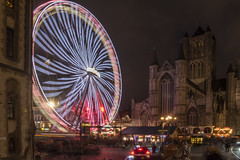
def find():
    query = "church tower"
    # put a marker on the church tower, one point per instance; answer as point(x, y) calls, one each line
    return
point(199, 51)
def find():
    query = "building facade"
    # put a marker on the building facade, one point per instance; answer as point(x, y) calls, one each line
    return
point(188, 89)
point(17, 127)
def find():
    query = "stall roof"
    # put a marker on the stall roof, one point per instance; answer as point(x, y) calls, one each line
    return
point(149, 130)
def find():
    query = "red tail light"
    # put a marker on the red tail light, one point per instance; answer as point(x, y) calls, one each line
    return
point(139, 149)
point(147, 152)
point(132, 153)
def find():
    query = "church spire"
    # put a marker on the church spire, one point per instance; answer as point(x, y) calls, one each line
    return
point(185, 35)
point(230, 69)
point(199, 31)
point(180, 53)
point(155, 61)
point(208, 29)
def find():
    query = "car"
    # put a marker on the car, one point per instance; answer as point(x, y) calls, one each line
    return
point(141, 153)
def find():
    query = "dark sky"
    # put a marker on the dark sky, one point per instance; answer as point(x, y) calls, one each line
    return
point(136, 27)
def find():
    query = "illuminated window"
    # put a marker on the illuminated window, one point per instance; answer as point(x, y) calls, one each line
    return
point(11, 110)
point(10, 42)
point(10, 3)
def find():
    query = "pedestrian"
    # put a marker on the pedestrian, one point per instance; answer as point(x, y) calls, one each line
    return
point(227, 146)
point(153, 148)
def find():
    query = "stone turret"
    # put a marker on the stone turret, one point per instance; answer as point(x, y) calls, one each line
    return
point(153, 70)
point(231, 99)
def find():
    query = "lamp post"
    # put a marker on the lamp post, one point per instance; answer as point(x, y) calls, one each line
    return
point(165, 120)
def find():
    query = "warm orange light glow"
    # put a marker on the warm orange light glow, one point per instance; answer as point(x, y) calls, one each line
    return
point(102, 109)
point(87, 109)
point(147, 152)
point(132, 153)
point(139, 149)
point(226, 128)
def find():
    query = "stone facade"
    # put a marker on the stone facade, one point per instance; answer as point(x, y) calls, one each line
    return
point(16, 134)
point(189, 90)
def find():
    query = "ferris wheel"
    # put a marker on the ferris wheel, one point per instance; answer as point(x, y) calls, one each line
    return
point(76, 72)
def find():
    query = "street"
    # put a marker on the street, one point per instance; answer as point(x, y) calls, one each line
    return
point(108, 154)
point(197, 152)
point(117, 153)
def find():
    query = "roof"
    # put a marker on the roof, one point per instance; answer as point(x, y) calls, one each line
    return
point(194, 85)
point(199, 31)
point(149, 130)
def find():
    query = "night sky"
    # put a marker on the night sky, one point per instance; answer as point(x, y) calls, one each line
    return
point(136, 27)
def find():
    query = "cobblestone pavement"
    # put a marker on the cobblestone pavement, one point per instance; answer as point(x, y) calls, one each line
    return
point(197, 153)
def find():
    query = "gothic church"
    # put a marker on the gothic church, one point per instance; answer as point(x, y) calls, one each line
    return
point(188, 89)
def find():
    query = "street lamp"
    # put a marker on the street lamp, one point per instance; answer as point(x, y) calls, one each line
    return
point(165, 120)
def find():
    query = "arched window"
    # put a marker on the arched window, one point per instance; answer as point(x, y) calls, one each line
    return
point(194, 50)
point(144, 118)
point(199, 70)
point(167, 88)
point(192, 117)
point(207, 130)
point(196, 130)
point(194, 71)
point(11, 145)
point(11, 109)
point(191, 71)
point(12, 98)
point(185, 130)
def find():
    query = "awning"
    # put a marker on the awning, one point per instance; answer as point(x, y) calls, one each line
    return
point(150, 130)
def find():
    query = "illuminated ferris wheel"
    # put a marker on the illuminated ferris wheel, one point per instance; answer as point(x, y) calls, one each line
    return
point(76, 73)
